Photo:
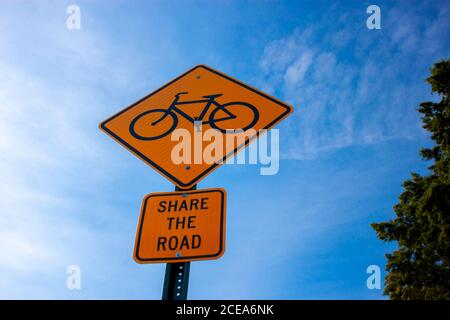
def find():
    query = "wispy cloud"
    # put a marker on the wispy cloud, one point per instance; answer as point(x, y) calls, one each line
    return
point(352, 85)
point(49, 110)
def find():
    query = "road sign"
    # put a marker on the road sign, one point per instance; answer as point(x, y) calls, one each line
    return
point(198, 100)
point(181, 226)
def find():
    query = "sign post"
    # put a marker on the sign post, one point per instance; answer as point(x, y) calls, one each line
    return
point(176, 278)
point(176, 281)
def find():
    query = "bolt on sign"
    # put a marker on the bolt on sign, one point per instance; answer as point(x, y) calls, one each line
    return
point(198, 100)
point(181, 226)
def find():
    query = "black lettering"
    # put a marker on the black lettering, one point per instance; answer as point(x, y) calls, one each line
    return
point(190, 223)
point(161, 242)
point(196, 244)
point(204, 204)
point(173, 243)
point(180, 221)
point(194, 203)
point(162, 206)
point(183, 206)
point(172, 206)
point(170, 222)
point(184, 243)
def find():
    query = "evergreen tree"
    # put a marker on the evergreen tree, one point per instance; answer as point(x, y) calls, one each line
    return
point(420, 267)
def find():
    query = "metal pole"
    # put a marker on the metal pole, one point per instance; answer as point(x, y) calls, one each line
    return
point(176, 279)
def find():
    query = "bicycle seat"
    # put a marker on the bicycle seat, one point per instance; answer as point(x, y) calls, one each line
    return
point(212, 96)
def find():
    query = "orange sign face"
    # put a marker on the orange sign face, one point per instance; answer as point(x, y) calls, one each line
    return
point(199, 108)
point(181, 226)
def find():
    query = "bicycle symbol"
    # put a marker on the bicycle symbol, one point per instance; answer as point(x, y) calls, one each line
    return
point(157, 123)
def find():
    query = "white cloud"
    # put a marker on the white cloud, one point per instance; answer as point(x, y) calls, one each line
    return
point(350, 85)
point(51, 157)
point(296, 71)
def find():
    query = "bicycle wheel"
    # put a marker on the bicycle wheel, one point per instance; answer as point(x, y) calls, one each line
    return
point(143, 128)
point(244, 117)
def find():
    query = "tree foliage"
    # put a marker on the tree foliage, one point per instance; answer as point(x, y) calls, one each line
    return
point(420, 267)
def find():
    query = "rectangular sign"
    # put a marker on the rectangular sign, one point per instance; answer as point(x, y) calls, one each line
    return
point(181, 226)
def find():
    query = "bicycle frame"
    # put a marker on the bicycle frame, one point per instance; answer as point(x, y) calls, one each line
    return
point(209, 102)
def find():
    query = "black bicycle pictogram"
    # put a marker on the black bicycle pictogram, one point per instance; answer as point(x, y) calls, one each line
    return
point(150, 125)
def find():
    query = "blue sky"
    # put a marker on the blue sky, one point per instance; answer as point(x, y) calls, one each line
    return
point(71, 195)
